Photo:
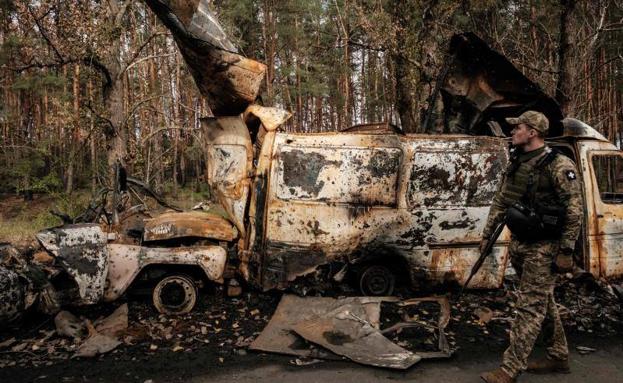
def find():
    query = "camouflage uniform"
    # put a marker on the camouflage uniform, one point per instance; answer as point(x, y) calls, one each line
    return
point(533, 258)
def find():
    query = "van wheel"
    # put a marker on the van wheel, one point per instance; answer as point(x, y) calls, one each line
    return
point(376, 280)
point(175, 295)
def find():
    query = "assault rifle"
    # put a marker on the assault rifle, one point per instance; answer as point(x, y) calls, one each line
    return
point(485, 253)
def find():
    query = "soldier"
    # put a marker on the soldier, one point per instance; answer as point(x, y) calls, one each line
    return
point(540, 199)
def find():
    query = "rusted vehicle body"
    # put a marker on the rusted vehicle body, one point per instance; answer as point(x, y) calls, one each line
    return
point(601, 172)
point(386, 203)
point(228, 80)
point(100, 263)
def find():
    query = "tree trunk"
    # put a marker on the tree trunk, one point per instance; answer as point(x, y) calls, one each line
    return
point(565, 68)
point(74, 143)
point(117, 134)
point(403, 72)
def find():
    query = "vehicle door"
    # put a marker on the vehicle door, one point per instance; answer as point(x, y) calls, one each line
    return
point(604, 187)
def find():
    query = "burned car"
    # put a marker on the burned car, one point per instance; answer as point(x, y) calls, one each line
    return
point(99, 256)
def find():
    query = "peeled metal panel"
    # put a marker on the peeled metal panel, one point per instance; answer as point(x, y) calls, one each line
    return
point(192, 18)
point(229, 81)
point(479, 85)
point(349, 327)
point(346, 333)
point(83, 254)
point(270, 117)
point(279, 337)
point(229, 163)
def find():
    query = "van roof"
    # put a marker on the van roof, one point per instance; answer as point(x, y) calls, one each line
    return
point(574, 128)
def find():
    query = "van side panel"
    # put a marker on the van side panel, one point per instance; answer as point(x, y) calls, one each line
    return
point(341, 197)
point(330, 196)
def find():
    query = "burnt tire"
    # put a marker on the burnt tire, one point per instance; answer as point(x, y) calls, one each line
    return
point(175, 295)
point(376, 280)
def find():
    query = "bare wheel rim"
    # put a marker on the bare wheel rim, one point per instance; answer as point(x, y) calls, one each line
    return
point(175, 294)
point(377, 280)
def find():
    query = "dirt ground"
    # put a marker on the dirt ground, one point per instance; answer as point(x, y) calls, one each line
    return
point(210, 344)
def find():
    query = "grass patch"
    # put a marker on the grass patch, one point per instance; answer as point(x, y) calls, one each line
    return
point(188, 197)
point(20, 220)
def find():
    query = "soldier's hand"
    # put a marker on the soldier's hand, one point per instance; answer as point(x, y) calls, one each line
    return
point(483, 245)
point(563, 262)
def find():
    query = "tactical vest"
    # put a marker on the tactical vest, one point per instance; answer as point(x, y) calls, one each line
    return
point(523, 173)
point(534, 211)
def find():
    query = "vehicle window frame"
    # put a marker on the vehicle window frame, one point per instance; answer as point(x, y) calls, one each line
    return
point(605, 153)
point(412, 204)
point(319, 200)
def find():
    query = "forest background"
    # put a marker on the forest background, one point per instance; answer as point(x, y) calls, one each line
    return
point(86, 83)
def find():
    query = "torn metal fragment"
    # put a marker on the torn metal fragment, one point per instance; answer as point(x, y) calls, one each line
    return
point(278, 335)
point(346, 332)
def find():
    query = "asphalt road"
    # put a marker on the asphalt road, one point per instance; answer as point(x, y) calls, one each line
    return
point(213, 357)
point(604, 365)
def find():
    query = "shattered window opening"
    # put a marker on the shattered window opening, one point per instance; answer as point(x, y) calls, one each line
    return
point(345, 175)
point(609, 176)
point(454, 178)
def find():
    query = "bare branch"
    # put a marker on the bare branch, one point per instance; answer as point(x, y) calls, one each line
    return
point(145, 59)
point(96, 64)
point(44, 34)
point(140, 49)
point(138, 105)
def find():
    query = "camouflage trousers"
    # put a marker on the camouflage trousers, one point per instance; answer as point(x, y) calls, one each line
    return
point(535, 304)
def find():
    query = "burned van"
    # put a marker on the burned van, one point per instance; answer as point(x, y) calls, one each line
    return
point(384, 205)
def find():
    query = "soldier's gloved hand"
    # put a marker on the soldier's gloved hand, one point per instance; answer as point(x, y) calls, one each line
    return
point(564, 261)
point(483, 244)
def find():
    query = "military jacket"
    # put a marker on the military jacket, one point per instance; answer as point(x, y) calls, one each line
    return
point(556, 183)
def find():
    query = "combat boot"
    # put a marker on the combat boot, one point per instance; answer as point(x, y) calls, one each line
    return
point(549, 365)
point(497, 376)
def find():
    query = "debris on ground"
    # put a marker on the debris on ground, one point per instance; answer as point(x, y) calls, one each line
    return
point(583, 350)
point(484, 314)
point(225, 327)
point(327, 328)
point(103, 334)
point(96, 343)
point(590, 305)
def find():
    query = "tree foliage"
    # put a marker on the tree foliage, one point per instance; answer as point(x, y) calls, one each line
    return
point(86, 84)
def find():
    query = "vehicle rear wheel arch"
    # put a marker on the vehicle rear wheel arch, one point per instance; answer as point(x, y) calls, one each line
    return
point(397, 265)
point(152, 273)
